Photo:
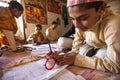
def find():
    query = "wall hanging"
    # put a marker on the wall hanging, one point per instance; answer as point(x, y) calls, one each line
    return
point(65, 15)
point(35, 11)
point(53, 6)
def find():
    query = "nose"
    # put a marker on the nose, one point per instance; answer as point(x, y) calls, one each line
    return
point(77, 23)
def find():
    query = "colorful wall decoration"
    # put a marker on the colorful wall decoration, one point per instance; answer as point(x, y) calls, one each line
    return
point(35, 11)
point(53, 6)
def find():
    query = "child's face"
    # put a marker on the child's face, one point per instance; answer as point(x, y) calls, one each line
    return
point(54, 26)
point(37, 29)
point(84, 19)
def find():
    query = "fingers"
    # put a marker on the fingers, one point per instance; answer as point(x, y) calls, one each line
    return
point(63, 58)
point(61, 63)
point(56, 56)
point(67, 59)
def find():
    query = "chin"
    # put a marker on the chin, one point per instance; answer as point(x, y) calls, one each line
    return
point(83, 30)
point(17, 16)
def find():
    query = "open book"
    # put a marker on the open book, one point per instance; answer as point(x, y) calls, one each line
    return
point(32, 71)
point(37, 71)
point(47, 74)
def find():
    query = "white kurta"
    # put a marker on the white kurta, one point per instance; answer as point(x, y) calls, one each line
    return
point(51, 34)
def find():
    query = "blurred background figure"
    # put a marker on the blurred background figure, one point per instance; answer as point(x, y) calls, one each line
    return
point(37, 37)
point(51, 33)
point(8, 25)
point(65, 42)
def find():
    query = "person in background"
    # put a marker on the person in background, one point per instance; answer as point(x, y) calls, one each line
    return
point(64, 42)
point(51, 33)
point(99, 27)
point(37, 37)
point(8, 25)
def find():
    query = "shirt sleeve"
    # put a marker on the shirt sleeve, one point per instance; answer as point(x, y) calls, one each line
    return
point(78, 41)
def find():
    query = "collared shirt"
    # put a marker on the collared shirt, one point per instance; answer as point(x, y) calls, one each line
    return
point(38, 37)
point(106, 32)
point(7, 21)
point(51, 34)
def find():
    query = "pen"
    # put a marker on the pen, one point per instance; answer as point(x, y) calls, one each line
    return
point(50, 48)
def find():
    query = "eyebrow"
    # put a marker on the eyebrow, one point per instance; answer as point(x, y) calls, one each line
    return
point(81, 16)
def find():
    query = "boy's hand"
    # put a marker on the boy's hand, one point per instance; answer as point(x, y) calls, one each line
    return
point(65, 58)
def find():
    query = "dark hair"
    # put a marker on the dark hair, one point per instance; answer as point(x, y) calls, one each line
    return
point(54, 22)
point(39, 26)
point(15, 4)
point(90, 5)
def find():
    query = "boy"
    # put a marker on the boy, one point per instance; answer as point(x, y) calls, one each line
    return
point(37, 37)
point(99, 27)
point(8, 24)
point(51, 33)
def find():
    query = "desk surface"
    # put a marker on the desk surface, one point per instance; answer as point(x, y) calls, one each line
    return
point(10, 60)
